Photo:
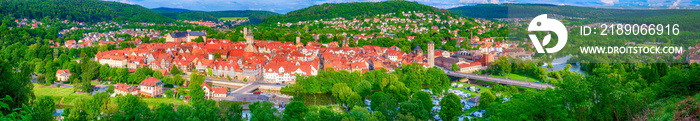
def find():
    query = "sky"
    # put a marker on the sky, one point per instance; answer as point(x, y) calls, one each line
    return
point(284, 6)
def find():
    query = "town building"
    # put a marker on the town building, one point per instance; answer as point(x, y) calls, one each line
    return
point(187, 36)
point(123, 89)
point(469, 67)
point(210, 92)
point(63, 75)
point(151, 87)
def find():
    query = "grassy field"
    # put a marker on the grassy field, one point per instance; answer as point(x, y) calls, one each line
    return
point(68, 95)
point(231, 18)
point(516, 77)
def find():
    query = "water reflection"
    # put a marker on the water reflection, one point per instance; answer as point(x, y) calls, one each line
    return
point(560, 63)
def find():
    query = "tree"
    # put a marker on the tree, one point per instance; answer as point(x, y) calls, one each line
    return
point(198, 39)
point(131, 108)
point(501, 66)
point(121, 76)
point(425, 99)
point(486, 98)
point(343, 94)
point(110, 89)
point(437, 80)
point(157, 75)
point(178, 80)
point(364, 88)
point(451, 107)
point(41, 79)
point(234, 112)
point(398, 90)
point(105, 71)
point(414, 107)
point(455, 67)
point(262, 111)
point(174, 70)
point(295, 111)
point(169, 93)
point(384, 103)
point(139, 75)
point(43, 109)
point(86, 87)
point(16, 85)
point(164, 112)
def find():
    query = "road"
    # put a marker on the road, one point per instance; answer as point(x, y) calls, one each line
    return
point(499, 80)
point(243, 90)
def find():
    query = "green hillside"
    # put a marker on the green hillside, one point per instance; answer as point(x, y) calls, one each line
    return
point(80, 10)
point(254, 16)
point(190, 15)
point(347, 10)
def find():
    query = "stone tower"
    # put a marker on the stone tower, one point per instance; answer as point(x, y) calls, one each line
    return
point(299, 44)
point(249, 39)
point(431, 54)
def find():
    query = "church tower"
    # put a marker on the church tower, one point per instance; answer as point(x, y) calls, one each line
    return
point(249, 40)
point(431, 54)
point(299, 44)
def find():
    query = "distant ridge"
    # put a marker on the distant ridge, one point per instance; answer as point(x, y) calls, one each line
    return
point(353, 9)
point(165, 9)
point(80, 10)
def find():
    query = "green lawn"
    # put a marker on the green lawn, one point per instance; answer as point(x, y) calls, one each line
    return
point(68, 95)
point(517, 77)
point(231, 18)
point(58, 93)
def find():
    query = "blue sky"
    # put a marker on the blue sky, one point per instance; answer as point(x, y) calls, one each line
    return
point(284, 6)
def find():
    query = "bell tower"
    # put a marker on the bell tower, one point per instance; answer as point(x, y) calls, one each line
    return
point(249, 41)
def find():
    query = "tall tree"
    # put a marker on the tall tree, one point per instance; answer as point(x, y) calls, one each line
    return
point(164, 112)
point(364, 88)
point(262, 111)
point(44, 108)
point(451, 107)
point(295, 111)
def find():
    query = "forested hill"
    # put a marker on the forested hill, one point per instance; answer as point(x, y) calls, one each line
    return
point(255, 16)
point(80, 10)
point(190, 15)
point(596, 14)
point(164, 9)
point(348, 10)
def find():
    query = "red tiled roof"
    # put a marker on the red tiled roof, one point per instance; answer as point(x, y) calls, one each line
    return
point(205, 85)
point(62, 71)
point(219, 90)
point(126, 88)
point(150, 81)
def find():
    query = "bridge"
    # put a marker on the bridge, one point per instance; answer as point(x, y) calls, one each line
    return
point(499, 80)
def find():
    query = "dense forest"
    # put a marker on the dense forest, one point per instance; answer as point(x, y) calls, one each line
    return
point(190, 15)
point(347, 10)
point(90, 11)
point(254, 16)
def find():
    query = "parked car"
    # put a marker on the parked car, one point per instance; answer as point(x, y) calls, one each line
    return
point(256, 92)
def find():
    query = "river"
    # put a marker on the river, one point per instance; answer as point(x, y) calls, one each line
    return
point(560, 63)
